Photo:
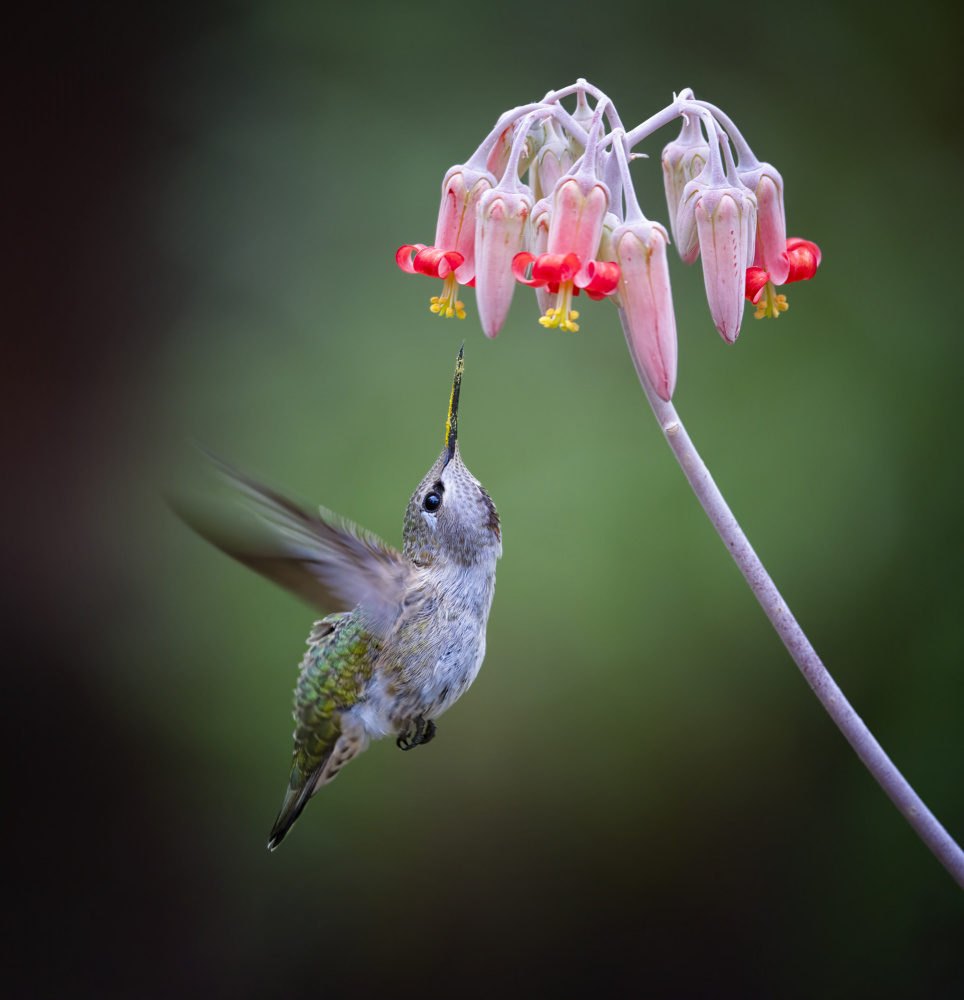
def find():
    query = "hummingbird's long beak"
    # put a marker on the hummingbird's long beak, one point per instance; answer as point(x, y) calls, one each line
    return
point(451, 425)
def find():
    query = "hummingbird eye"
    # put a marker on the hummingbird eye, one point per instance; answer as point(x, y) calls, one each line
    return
point(432, 502)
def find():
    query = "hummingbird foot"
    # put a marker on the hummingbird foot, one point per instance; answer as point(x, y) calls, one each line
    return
point(424, 733)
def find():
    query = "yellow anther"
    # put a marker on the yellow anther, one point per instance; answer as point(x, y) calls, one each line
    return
point(561, 316)
point(557, 319)
point(772, 304)
point(447, 304)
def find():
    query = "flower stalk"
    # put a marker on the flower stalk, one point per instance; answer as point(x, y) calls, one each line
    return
point(870, 752)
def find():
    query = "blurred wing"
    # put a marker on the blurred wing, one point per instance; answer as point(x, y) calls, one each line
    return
point(325, 560)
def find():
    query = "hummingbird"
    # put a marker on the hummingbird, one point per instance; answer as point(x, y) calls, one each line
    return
point(407, 634)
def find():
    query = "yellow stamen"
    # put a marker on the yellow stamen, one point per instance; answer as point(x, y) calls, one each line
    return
point(772, 304)
point(562, 317)
point(447, 304)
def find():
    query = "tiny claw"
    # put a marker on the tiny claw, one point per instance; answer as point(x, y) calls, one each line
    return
point(424, 733)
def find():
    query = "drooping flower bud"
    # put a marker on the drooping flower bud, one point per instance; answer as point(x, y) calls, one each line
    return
point(683, 160)
point(725, 217)
point(499, 236)
point(717, 217)
point(648, 301)
point(552, 161)
point(685, 231)
point(687, 227)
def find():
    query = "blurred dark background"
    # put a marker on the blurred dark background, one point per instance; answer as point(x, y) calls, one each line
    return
point(639, 794)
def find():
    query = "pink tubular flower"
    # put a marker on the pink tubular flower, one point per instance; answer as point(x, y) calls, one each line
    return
point(499, 235)
point(771, 235)
point(648, 300)
point(575, 228)
point(802, 257)
point(462, 188)
point(579, 207)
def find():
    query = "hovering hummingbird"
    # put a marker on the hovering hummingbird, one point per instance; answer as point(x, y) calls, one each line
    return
point(408, 635)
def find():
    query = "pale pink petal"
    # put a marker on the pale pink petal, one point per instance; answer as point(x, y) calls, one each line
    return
point(722, 222)
point(648, 302)
point(499, 238)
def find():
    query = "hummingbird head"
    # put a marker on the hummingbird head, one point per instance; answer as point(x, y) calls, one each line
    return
point(450, 516)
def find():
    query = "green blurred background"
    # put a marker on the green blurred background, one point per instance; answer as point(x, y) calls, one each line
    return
point(639, 794)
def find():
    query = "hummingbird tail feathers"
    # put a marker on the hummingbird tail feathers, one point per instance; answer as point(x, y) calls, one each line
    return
point(308, 774)
point(296, 798)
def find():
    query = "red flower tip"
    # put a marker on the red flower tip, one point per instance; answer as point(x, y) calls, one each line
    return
point(436, 264)
point(430, 261)
point(547, 269)
point(603, 279)
point(756, 281)
point(403, 256)
point(520, 264)
point(804, 258)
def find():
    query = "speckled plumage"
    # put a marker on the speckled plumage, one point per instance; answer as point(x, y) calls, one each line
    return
point(410, 637)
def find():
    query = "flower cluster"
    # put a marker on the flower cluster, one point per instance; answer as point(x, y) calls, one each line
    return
point(575, 224)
